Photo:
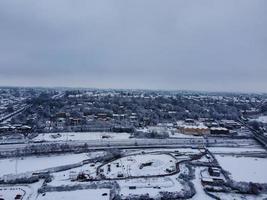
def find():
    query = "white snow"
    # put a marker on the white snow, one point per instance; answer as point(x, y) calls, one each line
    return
point(27, 191)
point(11, 192)
point(181, 135)
point(231, 196)
point(92, 194)
point(235, 150)
point(134, 165)
point(262, 119)
point(187, 151)
point(63, 178)
point(200, 194)
point(33, 163)
point(245, 168)
point(151, 186)
point(69, 136)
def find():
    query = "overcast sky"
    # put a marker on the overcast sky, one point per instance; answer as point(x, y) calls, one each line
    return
point(154, 44)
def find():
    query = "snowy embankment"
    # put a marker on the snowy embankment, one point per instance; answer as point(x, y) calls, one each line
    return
point(26, 191)
point(72, 136)
point(151, 186)
point(92, 194)
point(140, 165)
point(262, 119)
point(34, 163)
point(245, 169)
point(238, 150)
point(200, 193)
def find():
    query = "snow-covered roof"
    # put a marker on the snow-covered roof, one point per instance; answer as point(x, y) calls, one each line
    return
point(200, 126)
point(218, 129)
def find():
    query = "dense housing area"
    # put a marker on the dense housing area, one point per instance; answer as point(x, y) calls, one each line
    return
point(66, 143)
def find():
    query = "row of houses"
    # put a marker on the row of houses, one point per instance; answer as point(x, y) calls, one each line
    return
point(192, 127)
point(17, 128)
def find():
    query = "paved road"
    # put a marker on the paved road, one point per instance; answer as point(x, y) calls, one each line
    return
point(145, 143)
point(24, 107)
point(258, 136)
point(58, 96)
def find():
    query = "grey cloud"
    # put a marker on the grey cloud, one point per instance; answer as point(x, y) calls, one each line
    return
point(200, 45)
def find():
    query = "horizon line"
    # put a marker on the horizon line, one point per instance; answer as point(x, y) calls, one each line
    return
point(133, 89)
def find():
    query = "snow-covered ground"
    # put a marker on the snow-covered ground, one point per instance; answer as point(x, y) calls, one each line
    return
point(236, 150)
point(81, 136)
point(233, 196)
point(26, 191)
point(12, 192)
point(262, 119)
point(245, 168)
point(140, 165)
point(151, 186)
point(200, 194)
point(181, 135)
point(137, 163)
point(92, 194)
point(64, 177)
point(186, 151)
point(33, 163)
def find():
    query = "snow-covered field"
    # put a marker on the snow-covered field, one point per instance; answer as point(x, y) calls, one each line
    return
point(26, 191)
point(151, 186)
point(92, 194)
point(186, 151)
point(236, 150)
point(233, 196)
point(12, 192)
point(181, 135)
point(200, 194)
point(81, 136)
point(262, 119)
point(245, 168)
point(64, 177)
point(33, 163)
point(140, 165)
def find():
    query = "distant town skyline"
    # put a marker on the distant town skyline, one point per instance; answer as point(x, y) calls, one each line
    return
point(167, 45)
